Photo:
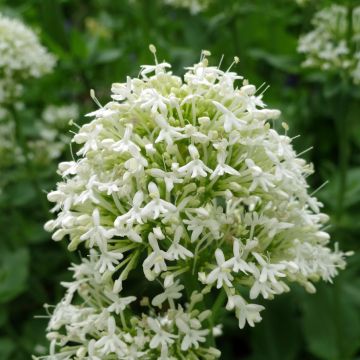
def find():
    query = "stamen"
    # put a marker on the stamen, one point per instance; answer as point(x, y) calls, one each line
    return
point(73, 123)
point(221, 60)
point(285, 127)
point(152, 49)
point(262, 93)
point(258, 89)
point(96, 101)
point(204, 54)
point(305, 151)
point(319, 188)
point(236, 61)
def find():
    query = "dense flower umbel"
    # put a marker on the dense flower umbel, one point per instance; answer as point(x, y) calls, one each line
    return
point(182, 181)
point(334, 44)
point(22, 57)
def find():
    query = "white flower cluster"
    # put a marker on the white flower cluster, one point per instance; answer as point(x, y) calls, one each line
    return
point(195, 6)
point(59, 115)
point(22, 57)
point(334, 44)
point(52, 132)
point(185, 182)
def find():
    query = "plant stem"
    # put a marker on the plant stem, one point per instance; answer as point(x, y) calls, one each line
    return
point(343, 152)
point(28, 163)
point(343, 128)
point(219, 302)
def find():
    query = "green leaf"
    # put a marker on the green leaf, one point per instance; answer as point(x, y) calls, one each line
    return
point(33, 338)
point(36, 233)
point(331, 321)
point(7, 346)
point(3, 316)
point(14, 268)
point(352, 194)
point(108, 56)
point(21, 193)
point(53, 21)
point(282, 62)
point(278, 333)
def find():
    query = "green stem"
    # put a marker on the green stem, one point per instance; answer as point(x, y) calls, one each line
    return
point(218, 304)
point(28, 163)
point(234, 27)
point(343, 153)
point(192, 284)
point(337, 318)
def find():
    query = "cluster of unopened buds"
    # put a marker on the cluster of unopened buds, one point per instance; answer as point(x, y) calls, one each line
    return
point(334, 43)
point(182, 192)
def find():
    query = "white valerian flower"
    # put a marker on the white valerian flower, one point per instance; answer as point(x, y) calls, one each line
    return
point(249, 313)
point(333, 44)
point(205, 220)
point(264, 287)
point(196, 167)
point(125, 145)
point(180, 183)
point(170, 293)
point(168, 133)
point(269, 271)
point(22, 57)
point(92, 351)
point(155, 262)
point(222, 168)
point(222, 273)
point(97, 234)
point(193, 334)
point(156, 206)
point(108, 260)
point(176, 251)
point(118, 304)
point(134, 215)
point(230, 120)
point(259, 178)
point(161, 338)
point(240, 254)
point(169, 178)
point(111, 342)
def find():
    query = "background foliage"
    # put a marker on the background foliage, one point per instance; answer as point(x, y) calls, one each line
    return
point(98, 42)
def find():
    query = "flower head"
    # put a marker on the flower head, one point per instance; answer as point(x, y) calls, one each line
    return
point(22, 57)
point(333, 45)
point(180, 179)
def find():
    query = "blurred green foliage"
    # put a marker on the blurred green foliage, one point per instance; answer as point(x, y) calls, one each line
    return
point(98, 42)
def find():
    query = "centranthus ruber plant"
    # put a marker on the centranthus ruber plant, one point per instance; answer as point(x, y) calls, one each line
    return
point(182, 196)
